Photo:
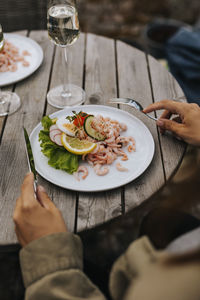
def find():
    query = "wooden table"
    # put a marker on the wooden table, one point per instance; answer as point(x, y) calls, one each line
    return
point(104, 68)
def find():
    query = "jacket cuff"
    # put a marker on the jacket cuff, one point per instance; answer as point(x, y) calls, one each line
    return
point(49, 254)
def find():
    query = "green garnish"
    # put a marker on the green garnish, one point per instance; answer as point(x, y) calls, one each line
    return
point(59, 157)
point(80, 114)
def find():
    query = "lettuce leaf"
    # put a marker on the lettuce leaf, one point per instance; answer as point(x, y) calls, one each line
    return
point(59, 157)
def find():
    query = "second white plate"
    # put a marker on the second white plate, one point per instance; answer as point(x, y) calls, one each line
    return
point(35, 59)
point(137, 163)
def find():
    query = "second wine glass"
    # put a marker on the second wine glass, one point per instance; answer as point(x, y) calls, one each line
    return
point(9, 101)
point(63, 30)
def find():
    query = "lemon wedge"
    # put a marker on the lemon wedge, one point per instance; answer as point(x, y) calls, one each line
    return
point(76, 146)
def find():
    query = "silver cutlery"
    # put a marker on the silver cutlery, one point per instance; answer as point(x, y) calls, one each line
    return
point(132, 103)
point(30, 159)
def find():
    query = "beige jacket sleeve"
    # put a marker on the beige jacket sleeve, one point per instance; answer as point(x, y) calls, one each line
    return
point(52, 270)
point(143, 273)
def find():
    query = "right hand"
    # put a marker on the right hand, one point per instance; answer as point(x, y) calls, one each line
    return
point(35, 217)
point(185, 125)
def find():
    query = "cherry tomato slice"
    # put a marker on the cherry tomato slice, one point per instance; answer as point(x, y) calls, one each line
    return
point(79, 121)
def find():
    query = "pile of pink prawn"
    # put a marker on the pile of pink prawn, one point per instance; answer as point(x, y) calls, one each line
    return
point(9, 57)
point(106, 151)
point(110, 149)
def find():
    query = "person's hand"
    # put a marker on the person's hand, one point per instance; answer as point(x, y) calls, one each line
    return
point(186, 123)
point(35, 218)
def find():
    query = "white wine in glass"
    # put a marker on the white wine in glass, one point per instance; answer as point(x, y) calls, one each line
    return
point(63, 30)
point(9, 102)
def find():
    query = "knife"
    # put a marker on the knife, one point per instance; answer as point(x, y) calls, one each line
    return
point(30, 158)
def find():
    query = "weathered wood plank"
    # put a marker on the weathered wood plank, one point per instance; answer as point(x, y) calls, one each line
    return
point(64, 199)
point(100, 85)
point(166, 87)
point(97, 208)
point(13, 163)
point(134, 83)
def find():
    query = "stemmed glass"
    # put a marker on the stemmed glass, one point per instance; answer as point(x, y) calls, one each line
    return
point(9, 102)
point(63, 30)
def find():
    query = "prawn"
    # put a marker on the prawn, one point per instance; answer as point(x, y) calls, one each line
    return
point(99, 171)
point(123, 126)
point(96, 149)
point(121, 168)
point(110, 157)
point(125, 157)
point(81, 169)
point(10, 56)
point(131, 148)
point(108, 150)
point(110, 139)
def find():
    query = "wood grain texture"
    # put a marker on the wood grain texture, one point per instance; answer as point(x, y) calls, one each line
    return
point(13, 163)
point(100, 77)
point(65, 199)
point(100, 84)
point(166, 87)
point(97, 208)
point(134, 83)
point(105, 72)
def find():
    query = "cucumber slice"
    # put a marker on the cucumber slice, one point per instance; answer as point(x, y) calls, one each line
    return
point(91, 131)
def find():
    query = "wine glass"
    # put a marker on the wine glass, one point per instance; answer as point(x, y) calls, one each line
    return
point(63, 30)
point(9, 102)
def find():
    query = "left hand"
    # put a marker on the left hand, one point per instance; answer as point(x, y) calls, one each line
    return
point(35, 217)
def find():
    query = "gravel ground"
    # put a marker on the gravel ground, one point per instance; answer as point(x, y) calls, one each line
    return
point(127, 18)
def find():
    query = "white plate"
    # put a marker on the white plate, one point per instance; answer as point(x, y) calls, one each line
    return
point(137, 163)
point(35, 59)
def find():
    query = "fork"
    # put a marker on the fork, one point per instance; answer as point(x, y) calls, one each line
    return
point(133, 103)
